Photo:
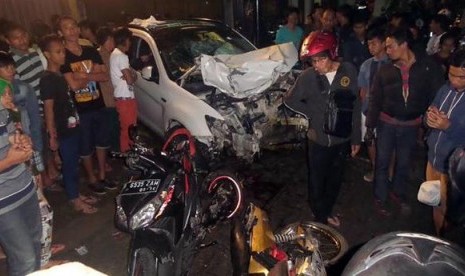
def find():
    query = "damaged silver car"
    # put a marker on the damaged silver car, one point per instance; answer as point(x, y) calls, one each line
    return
point(203, 76)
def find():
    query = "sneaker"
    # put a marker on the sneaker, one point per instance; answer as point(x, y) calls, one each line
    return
point(369, 176)
point(97, 188)
point(109, 185)
point(381, 209)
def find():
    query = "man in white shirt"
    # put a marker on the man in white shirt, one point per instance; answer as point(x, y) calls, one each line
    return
point(439, 25)
point(122, 78)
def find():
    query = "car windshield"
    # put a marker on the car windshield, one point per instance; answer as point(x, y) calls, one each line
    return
point(180, 44)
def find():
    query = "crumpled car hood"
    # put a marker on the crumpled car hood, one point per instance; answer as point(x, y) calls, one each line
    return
point(248, 74)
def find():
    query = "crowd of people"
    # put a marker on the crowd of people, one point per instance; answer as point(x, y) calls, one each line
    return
point(400, 86)
point(67, 97)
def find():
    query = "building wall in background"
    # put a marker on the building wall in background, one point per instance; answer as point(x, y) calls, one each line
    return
point(26, 12)
point(120, 11)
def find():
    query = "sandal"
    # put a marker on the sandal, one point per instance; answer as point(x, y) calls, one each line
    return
point(88, 199)
point(57, 248)
point(83, 207)
point(334, 221)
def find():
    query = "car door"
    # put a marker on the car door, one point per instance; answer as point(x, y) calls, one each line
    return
point(148, 91)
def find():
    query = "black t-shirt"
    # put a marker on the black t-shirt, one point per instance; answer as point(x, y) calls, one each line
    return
point(53, 86)
point(89, 98)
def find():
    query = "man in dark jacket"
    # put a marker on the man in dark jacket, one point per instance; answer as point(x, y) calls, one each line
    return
point(401, 92)
point(330, 139)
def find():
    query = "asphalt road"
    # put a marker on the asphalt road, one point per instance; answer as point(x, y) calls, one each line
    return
point(276, 182)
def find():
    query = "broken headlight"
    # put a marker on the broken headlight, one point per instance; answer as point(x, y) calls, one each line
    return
point(152, 210)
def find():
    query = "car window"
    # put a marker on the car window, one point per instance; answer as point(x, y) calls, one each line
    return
point(180, 46)
point(140, 54)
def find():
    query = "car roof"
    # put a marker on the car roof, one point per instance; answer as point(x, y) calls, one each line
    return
point(167, 24)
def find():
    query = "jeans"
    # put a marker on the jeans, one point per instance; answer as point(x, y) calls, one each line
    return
point(20, 233)
point(326, 168)
point(69, 151)
point(391, 139)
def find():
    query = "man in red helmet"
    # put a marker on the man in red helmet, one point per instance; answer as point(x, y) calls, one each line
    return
point(327, 94)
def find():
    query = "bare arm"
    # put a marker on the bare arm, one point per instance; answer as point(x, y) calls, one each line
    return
point(14, 157)
point(99, 73)
point(19, 151)
point(363, 93)
point(50, 124)
point(76, 80)
point(79, 80)
point(129, 75)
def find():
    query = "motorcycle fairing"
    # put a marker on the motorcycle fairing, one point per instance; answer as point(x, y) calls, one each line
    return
point(159, 238)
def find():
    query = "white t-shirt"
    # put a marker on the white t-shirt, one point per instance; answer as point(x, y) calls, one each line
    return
point(330, 76)
point(118, 62)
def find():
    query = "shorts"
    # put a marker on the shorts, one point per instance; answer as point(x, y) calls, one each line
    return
point(93, 132)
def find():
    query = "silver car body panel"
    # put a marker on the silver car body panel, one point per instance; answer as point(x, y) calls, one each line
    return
point(240, 120)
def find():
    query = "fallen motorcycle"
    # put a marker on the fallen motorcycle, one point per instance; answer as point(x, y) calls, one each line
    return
point(302, 248)
point(169, 206)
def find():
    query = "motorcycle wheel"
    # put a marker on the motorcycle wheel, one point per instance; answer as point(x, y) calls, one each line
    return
point(225, 192)
point(331, 244)
point(179, 144)
point(175, 143)
point(144, 263)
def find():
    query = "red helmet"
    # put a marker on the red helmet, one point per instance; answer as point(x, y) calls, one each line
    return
point(317, 42)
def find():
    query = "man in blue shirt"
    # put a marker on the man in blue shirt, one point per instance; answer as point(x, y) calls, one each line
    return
point(377, 48)
point(290, 32)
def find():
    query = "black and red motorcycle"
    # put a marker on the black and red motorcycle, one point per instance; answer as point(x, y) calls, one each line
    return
point(169, 205)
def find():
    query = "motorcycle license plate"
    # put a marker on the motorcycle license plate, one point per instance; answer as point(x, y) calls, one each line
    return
point(141, 186)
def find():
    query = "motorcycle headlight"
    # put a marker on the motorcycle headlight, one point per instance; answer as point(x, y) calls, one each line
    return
point(152, 210)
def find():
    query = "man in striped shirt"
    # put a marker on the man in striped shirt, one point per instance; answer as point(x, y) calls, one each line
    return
point(20, 223)
point(30, 64)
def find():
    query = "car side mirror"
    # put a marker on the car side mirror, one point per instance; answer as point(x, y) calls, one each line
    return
point(150, 73)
